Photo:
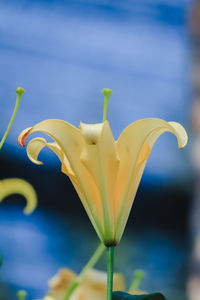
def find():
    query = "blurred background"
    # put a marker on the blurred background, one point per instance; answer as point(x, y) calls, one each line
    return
point(63, 53)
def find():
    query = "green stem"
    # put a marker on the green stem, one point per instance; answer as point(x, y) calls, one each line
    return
point(71, 289)
point(93, 260)
point(110, 260)
point(19, 92)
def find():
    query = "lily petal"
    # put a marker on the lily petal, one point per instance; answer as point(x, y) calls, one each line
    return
point(100, 157)
point(133, 146)
point(71, 144)
point(33, 149)
point(11, 186)
point(23, 136)
point(36, 145)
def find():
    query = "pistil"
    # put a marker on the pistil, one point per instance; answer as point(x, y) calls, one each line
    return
point(21, 295)
point(19, 92)
point(107, 93)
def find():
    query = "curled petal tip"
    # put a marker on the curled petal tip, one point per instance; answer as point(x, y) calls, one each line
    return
point(185, 141)
point(23, 136)
point(181, 134)
point(20, 90)
point(182, 146)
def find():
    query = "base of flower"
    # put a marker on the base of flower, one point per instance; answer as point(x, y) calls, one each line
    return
point(110, 243)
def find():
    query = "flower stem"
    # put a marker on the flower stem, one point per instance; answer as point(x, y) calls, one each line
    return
point(93, 260)
point(110, 260)
point(19, 92)
point(71, 289)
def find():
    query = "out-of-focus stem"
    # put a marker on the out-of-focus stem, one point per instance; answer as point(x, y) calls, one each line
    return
point(93, 260)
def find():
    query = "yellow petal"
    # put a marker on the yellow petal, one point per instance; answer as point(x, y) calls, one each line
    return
point(71, 144)
point(93, 285)
point(100, 157)
point(36, 145)
point(134, 146)
point(62, 280)
point(94, 278)
point(11, 186)
point(33, 149)
point(23, 135)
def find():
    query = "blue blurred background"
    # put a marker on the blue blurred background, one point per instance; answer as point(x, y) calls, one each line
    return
point(63, 53)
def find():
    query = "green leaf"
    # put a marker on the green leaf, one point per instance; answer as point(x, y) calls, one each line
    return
point(125, 296)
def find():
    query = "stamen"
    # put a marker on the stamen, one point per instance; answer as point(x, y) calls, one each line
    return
point(21, 295)
point(138, 276)
point(19, 92)
point(107, 93)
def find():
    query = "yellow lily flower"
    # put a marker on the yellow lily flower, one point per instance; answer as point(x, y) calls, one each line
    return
point(105, 173)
